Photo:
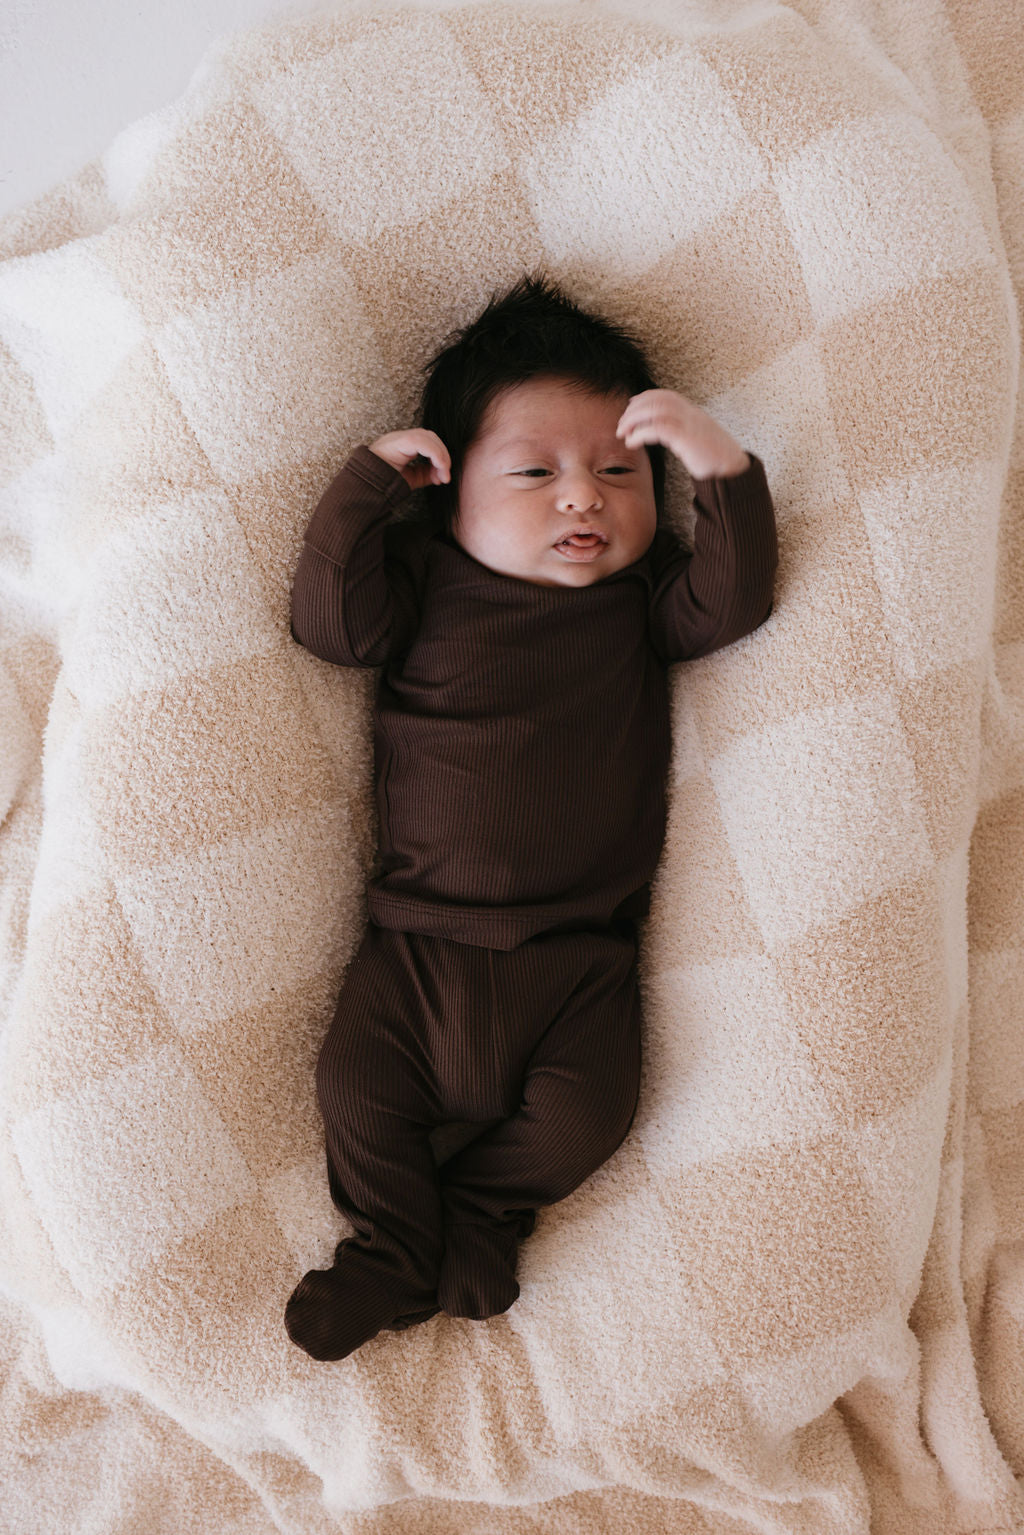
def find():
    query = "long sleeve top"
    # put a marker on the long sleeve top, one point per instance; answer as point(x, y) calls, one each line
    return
point(521, 732)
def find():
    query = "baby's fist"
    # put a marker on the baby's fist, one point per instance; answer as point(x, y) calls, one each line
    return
point(697, 439)
point(419, 456)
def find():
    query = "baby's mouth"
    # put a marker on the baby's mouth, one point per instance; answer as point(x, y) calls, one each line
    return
point(582, 540)
point(582, 546)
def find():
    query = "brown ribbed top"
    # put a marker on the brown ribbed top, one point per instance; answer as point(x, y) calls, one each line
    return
point(521, 732)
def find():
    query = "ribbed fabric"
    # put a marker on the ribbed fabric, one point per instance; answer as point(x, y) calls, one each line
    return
point(545, 1039)
point(521, 744)
point(521, 732)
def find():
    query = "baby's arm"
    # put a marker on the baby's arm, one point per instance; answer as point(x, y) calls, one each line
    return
point(724, 589)
point(419, 456)
point(343, 608)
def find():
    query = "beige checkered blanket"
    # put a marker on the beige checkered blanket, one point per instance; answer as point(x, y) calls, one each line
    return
point(793, 1301)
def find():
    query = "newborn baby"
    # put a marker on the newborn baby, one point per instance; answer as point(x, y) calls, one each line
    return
point(523, 623)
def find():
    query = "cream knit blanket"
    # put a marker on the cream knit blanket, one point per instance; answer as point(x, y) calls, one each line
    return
point(793, 1301)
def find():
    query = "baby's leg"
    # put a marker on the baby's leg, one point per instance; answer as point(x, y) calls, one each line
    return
point(378, 1101)
point(579, 1099)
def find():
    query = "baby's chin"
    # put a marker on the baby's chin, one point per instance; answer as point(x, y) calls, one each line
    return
point(560, 571)
point(552, 567)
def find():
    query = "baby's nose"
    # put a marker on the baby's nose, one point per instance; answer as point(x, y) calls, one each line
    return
point(580, 495)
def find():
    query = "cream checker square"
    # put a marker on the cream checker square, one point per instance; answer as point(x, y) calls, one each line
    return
point(624, 196)
point(208, 925)
point(858, 233)
point(933, 548)
point(137, 618)
point(65, 319)
point(720, 1046)
point(442, 140)
point(821, 811)
point(264, 376)
point(126, 1167)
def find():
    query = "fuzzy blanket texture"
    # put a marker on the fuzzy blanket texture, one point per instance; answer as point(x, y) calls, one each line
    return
point(793, 1301)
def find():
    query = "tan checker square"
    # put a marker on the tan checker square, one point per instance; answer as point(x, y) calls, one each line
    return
point(88, 1010)
point(987, 38)
point(1004, 1137)
point(70, 210)
point(610, 200)
point(865, 992)
point(226, 926)
point(857, 234)
point(175, 770)
point(940, 713)
point(787, 86)
point(265, 374)
point(822, 811)
point(21, 746)
point(230, 1275)
point(722, 302)
point(419, 282)
point(778, 1247)
point(175, 1168)
point(920, 378)
point(1009, 610)
point(1004, 149)
point(699, 907)
point(996, 1060)
point(1002, 723)
point(33, 659)
point(542, 72)
point(995, 918)
point(368, 166)
point(257, 1068)
point(235, 212)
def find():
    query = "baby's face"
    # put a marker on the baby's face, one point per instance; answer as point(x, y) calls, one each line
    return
point(545, 462)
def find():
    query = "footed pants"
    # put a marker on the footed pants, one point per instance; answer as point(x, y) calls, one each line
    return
point(542, 1042)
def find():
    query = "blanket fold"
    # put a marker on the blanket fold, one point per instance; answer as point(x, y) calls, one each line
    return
point(793, 1300)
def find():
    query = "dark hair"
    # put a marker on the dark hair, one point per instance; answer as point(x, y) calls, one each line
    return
point(532, 330)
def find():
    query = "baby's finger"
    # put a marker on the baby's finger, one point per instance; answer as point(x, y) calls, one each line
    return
point(640, 408)
point(439, 472)
point(643, 431)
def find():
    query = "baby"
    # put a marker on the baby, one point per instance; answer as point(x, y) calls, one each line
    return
point(524, 620)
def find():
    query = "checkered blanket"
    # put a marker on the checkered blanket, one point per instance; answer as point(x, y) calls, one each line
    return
point(793, 1301)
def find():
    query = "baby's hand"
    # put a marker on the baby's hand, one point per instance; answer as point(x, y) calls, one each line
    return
point(419, 456)
point(661, 415)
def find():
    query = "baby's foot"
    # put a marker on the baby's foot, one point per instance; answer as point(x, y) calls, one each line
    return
point(477, 1276)
point(332, 1312)
point(402, 1322)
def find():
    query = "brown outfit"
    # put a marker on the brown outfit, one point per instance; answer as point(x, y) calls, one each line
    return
point(521, 746)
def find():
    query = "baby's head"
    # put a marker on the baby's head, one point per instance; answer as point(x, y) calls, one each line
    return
point(526, 399)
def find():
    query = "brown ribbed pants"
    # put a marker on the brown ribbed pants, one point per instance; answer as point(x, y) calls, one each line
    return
point(544, 1038)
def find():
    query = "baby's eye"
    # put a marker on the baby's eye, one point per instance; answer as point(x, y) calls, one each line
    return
point(610, 469)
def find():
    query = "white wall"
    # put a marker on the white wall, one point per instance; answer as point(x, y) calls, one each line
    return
point(73, 73)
